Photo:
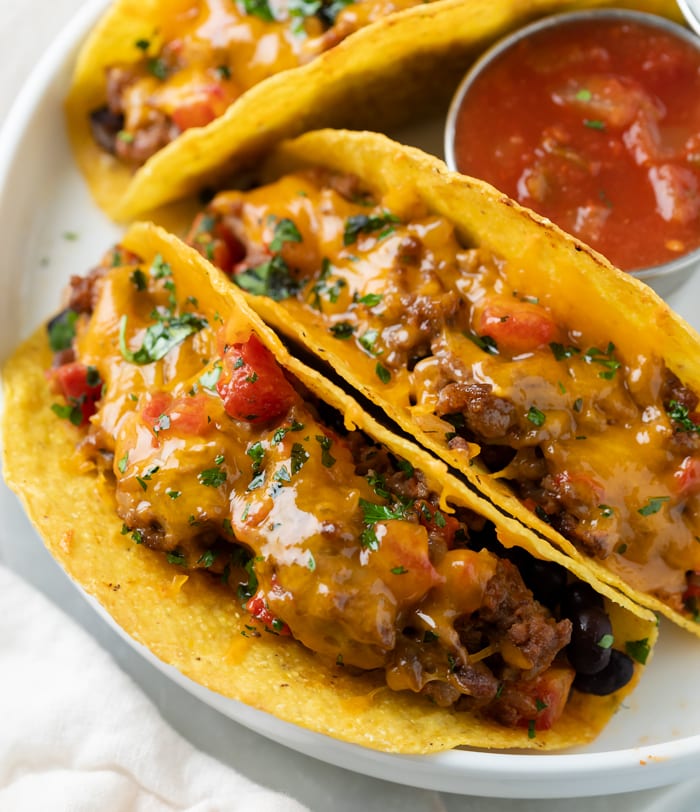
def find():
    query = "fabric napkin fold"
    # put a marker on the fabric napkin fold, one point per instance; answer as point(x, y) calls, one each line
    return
point(76, 733)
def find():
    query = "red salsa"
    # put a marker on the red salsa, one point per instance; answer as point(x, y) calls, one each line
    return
point(596, 125)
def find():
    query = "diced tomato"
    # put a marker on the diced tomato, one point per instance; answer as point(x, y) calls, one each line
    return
point(197, 113)
point(438, 523)
point(257, 607)
point(676, 192)
point(252, 384)
point(541, 701)
point(612, 99)
point(516, 326)
point(81, 386)
point(574, 489)
point(214, 241)
point(202, 104)
point(186, 414)
point(687, 476)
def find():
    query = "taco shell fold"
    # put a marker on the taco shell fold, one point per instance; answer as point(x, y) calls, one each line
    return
point(189, 619)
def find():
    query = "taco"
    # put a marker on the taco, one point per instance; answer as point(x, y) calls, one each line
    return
point(246, 520)
point(564, 390)
point(163, 92)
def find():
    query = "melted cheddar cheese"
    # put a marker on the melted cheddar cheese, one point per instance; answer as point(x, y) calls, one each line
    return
point(603, 446)
point(206, 53)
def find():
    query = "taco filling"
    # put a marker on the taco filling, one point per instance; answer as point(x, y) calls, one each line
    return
point(604, 447)
point(222, 461)
point(208, 55)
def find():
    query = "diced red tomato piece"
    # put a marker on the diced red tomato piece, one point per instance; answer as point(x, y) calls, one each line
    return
point(439, 523)
point(81, 386)
point(676, 192)
point(196, 113)
point(515, 325)
point(541, 701)
point(257, 607)
point(687, 476)
point(252, 384)
point(217, 243)
point(186, 414)
point(575, 489)
point(616, 100)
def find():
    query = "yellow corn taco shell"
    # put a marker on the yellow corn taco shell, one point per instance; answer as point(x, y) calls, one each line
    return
point(189, 619)
point(617, 340)
point(388, 72)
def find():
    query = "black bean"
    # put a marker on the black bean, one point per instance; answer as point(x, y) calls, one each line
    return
point(545, 579)
point(614, 676)
point(579, 595)
point(105, 125)
point(591, 640)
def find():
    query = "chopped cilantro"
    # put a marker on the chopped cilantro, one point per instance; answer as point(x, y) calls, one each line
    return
point(160, 337)
point(158, 68)
point(584, 95)
point(653, 505)
point(605, 358)
point(594, 123)
point(406, 467)
point(606, 641)
point(272, 279)
point(358, 224)
point(330, 10)
point(123, 462)
point(382, 373)
point(210, 378)
point(176, 557)
point(285, 231)
point(299, 457)
point(138, 280)
point(638, 650)
point(681, 415)
point(535, 416)
point(398, 570)
point(212, 477)
point(368, 341)
point(72, 411)
point(327, 460)
point(342, 330)
point(258, 8)
point(61, 330)
point(485, 343)
point(370, 299)
point(207, 558)
point(282, 474)
point(373, 513)
point(561, 352)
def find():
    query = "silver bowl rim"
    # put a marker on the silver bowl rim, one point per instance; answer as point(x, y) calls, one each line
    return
point(675, 265)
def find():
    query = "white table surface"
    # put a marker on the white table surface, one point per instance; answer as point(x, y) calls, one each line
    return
point(26, 28)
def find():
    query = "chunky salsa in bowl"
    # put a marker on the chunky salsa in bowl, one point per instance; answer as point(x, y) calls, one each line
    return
point(592, 119)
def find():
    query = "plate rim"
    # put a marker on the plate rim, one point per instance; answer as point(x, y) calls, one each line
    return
point(487, 773)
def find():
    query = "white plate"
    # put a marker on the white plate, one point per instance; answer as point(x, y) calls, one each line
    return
point(51, 229)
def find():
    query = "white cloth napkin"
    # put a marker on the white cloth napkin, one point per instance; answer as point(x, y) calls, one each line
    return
point(77, 734)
